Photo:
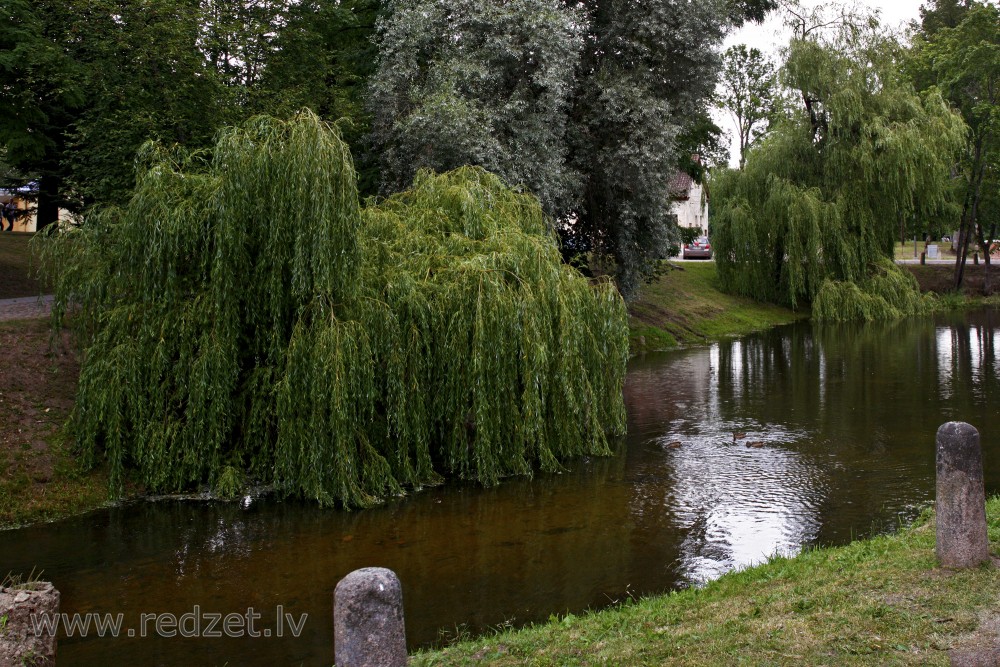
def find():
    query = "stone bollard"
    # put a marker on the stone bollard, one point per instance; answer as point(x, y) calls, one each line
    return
point(19, 645)
point(961, 499)
point(368, 620)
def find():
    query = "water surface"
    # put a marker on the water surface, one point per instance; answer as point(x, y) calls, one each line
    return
point(844, 418)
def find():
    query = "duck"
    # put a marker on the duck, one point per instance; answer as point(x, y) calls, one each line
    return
point(738, 435)
point(676, 444)
point(756, 444)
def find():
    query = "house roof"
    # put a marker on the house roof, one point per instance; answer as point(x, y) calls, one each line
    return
point(680, 186)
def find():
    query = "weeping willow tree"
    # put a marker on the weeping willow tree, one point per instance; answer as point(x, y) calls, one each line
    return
point(810, 218)
point(245, 318)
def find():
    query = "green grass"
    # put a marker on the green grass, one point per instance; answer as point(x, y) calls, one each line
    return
point(17, 275)
point(69, 490)
point(905, 250)
point(685, 306)
point(40, 478)
point(881, 601)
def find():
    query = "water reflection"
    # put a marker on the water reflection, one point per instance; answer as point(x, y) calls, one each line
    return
point(736, 487)
point(844, 418)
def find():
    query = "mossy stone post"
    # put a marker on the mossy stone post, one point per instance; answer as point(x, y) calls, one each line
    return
point(961, 498)
point(368, 626)
point(19, 643)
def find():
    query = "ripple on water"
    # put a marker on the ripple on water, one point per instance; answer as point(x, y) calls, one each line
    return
point(737, 505)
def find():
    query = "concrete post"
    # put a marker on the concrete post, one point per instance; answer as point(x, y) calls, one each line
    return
point(368, 620)
point(19, 645)
point(961, 499)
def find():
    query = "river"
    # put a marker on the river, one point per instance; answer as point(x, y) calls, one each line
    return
point(842, 419)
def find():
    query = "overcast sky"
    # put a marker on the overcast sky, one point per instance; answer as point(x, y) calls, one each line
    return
point(772, 35)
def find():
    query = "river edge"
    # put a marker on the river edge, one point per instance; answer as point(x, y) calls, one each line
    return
point(706, 616)
point(685, 305)
point(877, 601)
point(41, 479)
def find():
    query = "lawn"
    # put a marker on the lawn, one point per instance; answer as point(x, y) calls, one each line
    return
point(684, 306)
point(17, 268)
point(39, 477)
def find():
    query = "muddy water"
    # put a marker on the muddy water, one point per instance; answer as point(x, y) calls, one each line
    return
point(843, 419)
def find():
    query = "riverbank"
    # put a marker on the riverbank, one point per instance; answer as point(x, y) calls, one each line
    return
point(873, 602)
point(685, 306)
point(40, 478)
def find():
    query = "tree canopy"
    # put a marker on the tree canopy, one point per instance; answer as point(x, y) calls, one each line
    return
point(339, 352)
point(87, 82)
point(958, 53)
point(579, 102)
point(41, 91)
point(749, 92)
point(810, 219)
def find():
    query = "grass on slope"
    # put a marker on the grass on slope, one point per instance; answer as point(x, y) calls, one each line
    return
point(40, 478)
point(685, 306)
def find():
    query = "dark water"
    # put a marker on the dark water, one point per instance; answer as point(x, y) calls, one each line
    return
point(846, 415)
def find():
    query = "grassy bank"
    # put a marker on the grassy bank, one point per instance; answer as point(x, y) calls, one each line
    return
point(685, 306)
point(17, 275)
point(881, 601)
point(39, 477)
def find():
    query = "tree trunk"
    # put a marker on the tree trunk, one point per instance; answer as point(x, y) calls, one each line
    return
point(963, 251)
point(987, 287)
point(984, 243)
point(974, 224)
point(48, 202)
point(969, 210)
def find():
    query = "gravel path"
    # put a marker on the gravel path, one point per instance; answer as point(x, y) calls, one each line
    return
point(25, 307)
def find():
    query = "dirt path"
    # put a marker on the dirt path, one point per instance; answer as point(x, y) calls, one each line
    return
point(28, 307)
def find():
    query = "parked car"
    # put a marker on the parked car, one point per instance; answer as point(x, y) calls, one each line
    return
point(700, 248)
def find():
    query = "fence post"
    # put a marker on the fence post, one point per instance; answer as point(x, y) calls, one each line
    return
point(961, 499)
point(19, 645)
point(368, 628)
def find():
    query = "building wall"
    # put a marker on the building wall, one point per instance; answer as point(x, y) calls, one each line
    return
point(692, 212)
point(26, 222)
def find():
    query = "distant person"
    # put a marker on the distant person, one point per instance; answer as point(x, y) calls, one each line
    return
point(10, 214)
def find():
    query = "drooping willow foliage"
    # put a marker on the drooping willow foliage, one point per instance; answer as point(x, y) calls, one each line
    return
point(243, 315)
point(811, 217)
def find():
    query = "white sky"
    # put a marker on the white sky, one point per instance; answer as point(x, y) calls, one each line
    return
point(773, 35)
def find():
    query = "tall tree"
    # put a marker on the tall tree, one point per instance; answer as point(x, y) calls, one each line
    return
point(478, 82)
point(938, 14)
point(749, 92)
point(582, 102)
point(146, 79)
point(811, 218)
point(87, 82)
point(964, 63)
point(41, 89)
